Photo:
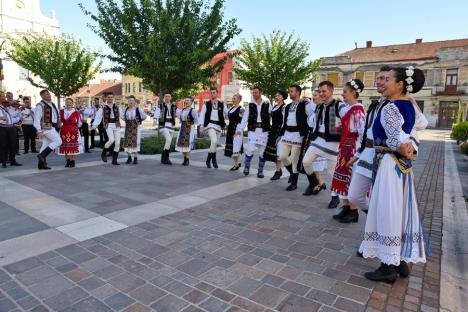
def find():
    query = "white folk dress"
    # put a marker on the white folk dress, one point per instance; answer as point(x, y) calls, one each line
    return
point(188, 131)
point(132, 143)
point(393, 231)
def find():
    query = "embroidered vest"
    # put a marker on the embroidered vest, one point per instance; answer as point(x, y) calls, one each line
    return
point(163, 117)
point(46, 120)
point(301, 118)
point(107, 113)
point(330, 116)
point(137, 115)
point(209, 108)
point(264, 115)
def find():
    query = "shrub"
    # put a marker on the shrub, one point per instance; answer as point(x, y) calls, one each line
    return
point(460, 131)
point(464, 148)
point(155, 144)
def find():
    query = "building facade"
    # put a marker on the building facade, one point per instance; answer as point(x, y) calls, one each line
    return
point(17, 16)
point(95, 89)
point(444, 97)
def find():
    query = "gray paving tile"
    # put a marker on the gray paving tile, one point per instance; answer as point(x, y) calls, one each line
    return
point(245, 286)
point(23, 266)
point(147, 294)
point(169, 303)
point(66, 298)
point(220, 277)
point(126, 282)
point(214, 305)
point(88, 305)
point(119, 301)
point(298, 304)
point(50, 287)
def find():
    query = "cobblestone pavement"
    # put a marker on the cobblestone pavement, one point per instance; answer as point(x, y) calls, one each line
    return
point(152, 237)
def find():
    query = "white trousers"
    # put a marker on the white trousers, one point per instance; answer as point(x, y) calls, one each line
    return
point(358, 189)
point(214, 138)
point(295, 153)
point(114, 137)
point(167, 138)
point(309, 158)
point(51, 138)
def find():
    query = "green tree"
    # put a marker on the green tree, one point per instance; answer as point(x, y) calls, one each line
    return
point(274, 62)
point(169, 44)
point(62, 64)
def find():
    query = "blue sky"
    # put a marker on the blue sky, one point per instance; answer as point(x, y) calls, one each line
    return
point(330, 27)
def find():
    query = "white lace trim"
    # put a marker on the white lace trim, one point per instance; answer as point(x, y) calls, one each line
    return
point(389, 257)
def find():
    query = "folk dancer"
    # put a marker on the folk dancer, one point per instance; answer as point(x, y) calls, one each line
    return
point(70, 133)
point(185, 142)
point(212, 121)
point(257, 118)
point(234, 146)
point(165, 115)
point(133, 117)
point(7, 134)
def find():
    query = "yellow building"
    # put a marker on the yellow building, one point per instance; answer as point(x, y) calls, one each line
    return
point(134, 86)
point(445, 64)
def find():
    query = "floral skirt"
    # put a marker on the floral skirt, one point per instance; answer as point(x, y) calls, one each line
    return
point(342, 174)
point(132, 137)
point(186, 138)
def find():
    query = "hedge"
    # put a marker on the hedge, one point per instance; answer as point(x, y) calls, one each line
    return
point(460, 131)
point(155, 144)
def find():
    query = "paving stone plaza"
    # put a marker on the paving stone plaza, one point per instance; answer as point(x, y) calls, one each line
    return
point(149, 237)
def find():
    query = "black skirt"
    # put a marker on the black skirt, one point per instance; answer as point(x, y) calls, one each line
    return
point(228, 148)
point(270, 150)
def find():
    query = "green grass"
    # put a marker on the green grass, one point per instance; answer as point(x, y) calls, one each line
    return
point(155, 144)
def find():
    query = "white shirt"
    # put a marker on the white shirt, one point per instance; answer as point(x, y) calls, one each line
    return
point(15, 114)
point(130, 114)
point(245, 117)
point(5, 113)
point(213, 116)
point(27, 115)
point(38, 114)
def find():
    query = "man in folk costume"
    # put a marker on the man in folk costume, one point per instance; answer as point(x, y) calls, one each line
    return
point(27, 125)
point(257, 118)
point(110, 116)
point(325, 138)
point(47, 122)
point(293, 131)
point(7, 134)
point(212, 119)
point(166, 115)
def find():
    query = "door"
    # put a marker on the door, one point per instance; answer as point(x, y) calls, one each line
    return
point(448, 112)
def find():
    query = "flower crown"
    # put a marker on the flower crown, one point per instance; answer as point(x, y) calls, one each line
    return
point(355, 85)
point(409, 80)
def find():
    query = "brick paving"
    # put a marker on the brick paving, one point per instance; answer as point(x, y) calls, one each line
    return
point(260, 250)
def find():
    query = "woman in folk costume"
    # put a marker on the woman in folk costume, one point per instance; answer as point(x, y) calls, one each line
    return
point(133, 117)
point(352, 125)
point(393, 230)
point(188, 130)
point(234, 145)
point(273, 148)
point(70, 133)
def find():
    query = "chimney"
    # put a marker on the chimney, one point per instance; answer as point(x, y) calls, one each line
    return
point(418, 40)
point(369, 44)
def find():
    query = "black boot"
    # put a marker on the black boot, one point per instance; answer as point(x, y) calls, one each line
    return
point(344, 212)
point(313, 182)
point(352, 216)
point(359, 254)
point(213, 159)
point(385, 273)
point(104, 155)
point(334, 202)
point(129, 160)
point(186, 161)
point(72, 164)
point(277, 175)
point(115, 155)
point(135, 160)
point(168, 160)
point(293, 184)
point(403, 269)
point(67, 165)
point(289, 168)
point(208, 160)
point(42, 164)
point(163, 156)
point(15, 163)
point(261, 165)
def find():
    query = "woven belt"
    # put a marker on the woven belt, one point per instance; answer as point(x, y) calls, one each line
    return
point(292, 129)
point(369, 143)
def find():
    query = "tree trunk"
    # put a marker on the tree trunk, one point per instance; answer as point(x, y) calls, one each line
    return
point(58, 102)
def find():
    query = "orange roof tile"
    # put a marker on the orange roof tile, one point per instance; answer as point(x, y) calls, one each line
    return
point(98, 89)
point(401, 52)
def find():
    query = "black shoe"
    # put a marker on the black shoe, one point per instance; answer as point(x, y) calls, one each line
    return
point(91, 147)
point(365, 210)
point(34, 151)
point(293, 185)
point(104, 155)
point(334, 202)
point(72, 164)
point(129, 160)
point(312, 184)
point(67, 165)
point(25, 152)
point(208, 160)
point(385, 273)
point(213, 160)
point(135, 160)
point(163, 156)
point(88, 152)
point(403, 269)
point(359, 254)
point(168, 161)
point(4, 165)
point(15, 163)
point(18, 154)
point(352, 216)
point(186, 162)
point(235, 167)
point(42, 163)
point(317, 189)
point(277, 175)
point(344, 211)
point(115, 155)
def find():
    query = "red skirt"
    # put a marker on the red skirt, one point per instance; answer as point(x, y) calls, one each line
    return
point(70, 135)
point(342, 174)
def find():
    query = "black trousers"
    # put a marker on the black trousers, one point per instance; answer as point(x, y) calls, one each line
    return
point(17, 140)
point(85, 134)
point(29, 133)
point(7, 144)
point(103, 138)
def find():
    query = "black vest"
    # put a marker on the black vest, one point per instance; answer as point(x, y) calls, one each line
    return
point(190, 118)
point(234, 117)
point(209, 108)
point(301, 118)
point(163, 117)
point(329, 114)
point(264, 115)
point(137, 114)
